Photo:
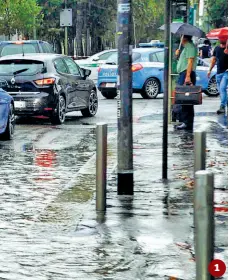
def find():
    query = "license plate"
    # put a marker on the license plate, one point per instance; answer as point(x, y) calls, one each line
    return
point(110, 85)
point(19, 104)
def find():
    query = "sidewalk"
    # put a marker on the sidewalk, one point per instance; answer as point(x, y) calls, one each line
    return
point(150, 236)
point(147, 236)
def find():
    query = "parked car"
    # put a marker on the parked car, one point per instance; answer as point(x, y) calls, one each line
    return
point(148, 74)
point(95, 60)
point(7, 117)
point(26, 46)
point(49, 85)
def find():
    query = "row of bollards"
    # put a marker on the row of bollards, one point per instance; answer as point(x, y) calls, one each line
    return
point(203, 197)
point(203, 209)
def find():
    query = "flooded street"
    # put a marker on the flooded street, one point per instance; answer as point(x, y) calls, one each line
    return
point(48, 225)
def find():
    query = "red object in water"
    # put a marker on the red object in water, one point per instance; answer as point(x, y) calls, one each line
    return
point(220, 34)
point(221, 209)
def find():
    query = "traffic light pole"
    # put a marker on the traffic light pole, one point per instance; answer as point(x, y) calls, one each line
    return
point(125, 130)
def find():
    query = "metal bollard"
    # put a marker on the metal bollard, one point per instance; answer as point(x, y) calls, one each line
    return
point(199, 150)
point(101, 166)
point(204, 223)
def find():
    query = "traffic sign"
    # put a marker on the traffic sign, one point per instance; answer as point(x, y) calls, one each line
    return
point(66, 17)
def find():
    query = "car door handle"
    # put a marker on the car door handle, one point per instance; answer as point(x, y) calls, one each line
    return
point(161, 69)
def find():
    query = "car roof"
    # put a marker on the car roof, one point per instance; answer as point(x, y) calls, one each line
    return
point(22, 41)
point(147, 50)
point(33, 56)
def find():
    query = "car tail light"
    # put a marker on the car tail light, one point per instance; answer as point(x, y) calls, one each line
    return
point(136, 67)
point(45, 82)
point(99, 69)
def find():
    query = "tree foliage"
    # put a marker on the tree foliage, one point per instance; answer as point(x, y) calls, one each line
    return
point(17, 15)
point(217, 13)
point(94, 22)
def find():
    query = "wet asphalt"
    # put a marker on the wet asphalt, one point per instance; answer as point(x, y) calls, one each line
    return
point(48, 225)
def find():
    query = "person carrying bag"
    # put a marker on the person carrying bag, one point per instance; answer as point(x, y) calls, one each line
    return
point(186, 69)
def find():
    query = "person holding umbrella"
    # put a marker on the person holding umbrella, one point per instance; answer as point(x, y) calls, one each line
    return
point(186, 68)
point(220, 57)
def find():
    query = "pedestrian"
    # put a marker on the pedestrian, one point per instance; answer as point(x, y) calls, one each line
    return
point(205, 50)
point(220, 58)
point(186, 68)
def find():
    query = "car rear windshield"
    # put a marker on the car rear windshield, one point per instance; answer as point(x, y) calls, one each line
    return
point(113, 59)
point(13, 48)
point(27, 67)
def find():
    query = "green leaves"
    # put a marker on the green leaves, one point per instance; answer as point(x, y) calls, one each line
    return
point(217, 11)
point(17, 15)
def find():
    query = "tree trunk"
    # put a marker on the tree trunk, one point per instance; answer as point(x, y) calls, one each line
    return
point(79, 31)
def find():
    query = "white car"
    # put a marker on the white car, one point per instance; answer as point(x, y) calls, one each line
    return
point(95, 60)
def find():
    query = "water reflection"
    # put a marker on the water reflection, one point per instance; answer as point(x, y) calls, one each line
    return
point(47, 160)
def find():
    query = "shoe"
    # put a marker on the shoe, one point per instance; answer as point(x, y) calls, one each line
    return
point(221, 110)
point(182, 126)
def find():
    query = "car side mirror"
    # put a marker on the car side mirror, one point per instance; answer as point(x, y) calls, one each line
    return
point(86, 72)
point(96, 58)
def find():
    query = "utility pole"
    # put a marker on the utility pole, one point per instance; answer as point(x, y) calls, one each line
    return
point(125, 130)
point(66, 32)
point(34, 29)
point(166, 91)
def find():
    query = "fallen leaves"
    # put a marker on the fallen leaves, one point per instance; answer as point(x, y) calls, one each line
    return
point(183, 245)
point(213, 163)
point(189, 181)
point(190, 184)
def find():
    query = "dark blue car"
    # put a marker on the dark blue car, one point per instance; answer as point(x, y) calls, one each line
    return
point(7, 117)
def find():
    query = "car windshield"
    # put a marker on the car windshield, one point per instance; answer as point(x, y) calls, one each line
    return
point(10, 49)
point(113, 59)
point(20, 67)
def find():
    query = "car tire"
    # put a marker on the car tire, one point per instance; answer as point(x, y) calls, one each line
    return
point(92, 108)
point(151, 89)
point(109, 94)
point(9, 132)
point(59, 116)
point(212, 90)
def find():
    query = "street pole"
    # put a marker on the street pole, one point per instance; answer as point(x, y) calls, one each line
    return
point(66, 32)
point(166, 91)
point(125, 130)
point(34, 29)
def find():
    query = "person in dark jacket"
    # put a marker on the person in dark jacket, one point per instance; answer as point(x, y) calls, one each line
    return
point(205, 50)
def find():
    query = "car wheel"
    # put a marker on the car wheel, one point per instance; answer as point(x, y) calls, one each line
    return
point(92, 108)
point(59, 116)
point(109, 94)
point(212, 88)
point(9, 132)
point(151, 89)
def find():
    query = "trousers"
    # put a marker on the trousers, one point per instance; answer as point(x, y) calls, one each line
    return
point(187, 111)
point(222, 85)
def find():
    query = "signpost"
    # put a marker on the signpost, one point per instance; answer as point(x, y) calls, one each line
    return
point(66, 21)
point(125, 131)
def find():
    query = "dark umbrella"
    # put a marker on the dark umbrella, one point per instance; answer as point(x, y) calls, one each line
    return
point(180, 28)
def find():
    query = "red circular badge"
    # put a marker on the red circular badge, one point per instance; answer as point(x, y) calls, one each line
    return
point(217, 268)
